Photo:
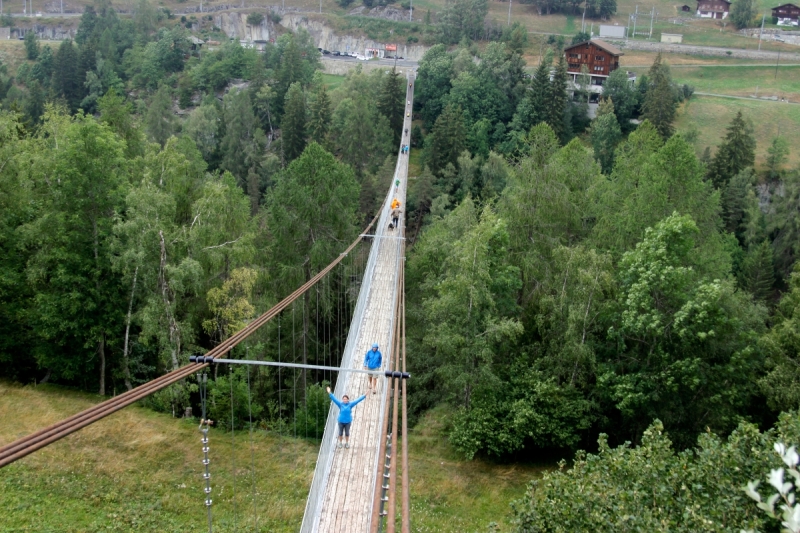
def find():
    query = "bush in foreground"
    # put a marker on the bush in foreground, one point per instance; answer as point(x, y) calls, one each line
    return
point(653, 488)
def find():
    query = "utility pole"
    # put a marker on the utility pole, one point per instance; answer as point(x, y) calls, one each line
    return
point(509, 13)
point(652, 15)
point(776, 65)
point(583, 18)
point(762, 30)
point(410, 9)
point(635, 15)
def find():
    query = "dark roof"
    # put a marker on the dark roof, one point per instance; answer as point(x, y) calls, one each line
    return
point(613, 50)
point(784, 5)
point(701, 1)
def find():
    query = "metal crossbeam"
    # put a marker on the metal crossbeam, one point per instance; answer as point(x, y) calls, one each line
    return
point(295, 365)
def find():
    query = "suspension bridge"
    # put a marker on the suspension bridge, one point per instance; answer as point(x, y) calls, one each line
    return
point(354, 489)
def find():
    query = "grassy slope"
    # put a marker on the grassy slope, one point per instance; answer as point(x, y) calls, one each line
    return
point(140, 471)
point(712, 115)
point(742, 81)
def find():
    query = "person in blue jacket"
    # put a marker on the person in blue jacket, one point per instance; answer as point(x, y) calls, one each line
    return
point(345, 416)
point(372, 361)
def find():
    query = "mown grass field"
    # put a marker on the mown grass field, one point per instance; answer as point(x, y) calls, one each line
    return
point(711, 115)
point(140, 471)
point(743, 81)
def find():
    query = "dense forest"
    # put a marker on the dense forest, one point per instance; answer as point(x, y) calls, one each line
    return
point(567, 278)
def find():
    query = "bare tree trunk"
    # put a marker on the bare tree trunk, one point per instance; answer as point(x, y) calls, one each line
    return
point(174, 329)
point(126, 371)
point(101, 351)
point(101, 344)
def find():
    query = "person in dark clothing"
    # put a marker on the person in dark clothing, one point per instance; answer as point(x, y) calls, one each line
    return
point(345, 416)
point(396, 216)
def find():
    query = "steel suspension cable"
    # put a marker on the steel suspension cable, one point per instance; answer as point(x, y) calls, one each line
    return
point(26, 445)
point(406, 510)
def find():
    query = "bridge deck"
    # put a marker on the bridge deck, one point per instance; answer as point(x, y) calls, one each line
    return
point(346, 497)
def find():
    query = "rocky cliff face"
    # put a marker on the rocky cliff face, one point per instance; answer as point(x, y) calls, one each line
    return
point(235, 25)
point(326, 38)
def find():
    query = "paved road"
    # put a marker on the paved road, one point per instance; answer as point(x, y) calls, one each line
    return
point(691, 49)
point(746, 98)
point(384, 62)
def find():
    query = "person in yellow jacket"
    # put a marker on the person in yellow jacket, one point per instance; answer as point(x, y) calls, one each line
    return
point(395, 203)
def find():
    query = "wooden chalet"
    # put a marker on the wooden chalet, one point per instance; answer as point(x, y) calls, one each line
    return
point(713, 9)
point(600, 58)
point(787, 13)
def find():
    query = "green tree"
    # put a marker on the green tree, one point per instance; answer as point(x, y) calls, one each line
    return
point(320, 115)
point(293, 124)
point(649, 182)
point(776, 157)
point(685, 348)
point(433, 83)
point(118, 114)
point(470, 295)
point(737, 152)
point(784, 224)
point(159, 121)
point(757, 275)
point(545, 202)
point(392, 103)
point(595, 490)
point(447, 140)
point(31, 46)
point(17, 339)
point(660, 104)
point(605, 134)
point(540, 90)
point(203, 127)
point(781, 344)
point(76, 303)
point(311, 213)
point(743, 13)
point(42, 70)
point(558, 101)
point(361, 134)
point(580, 37)
point(736, 200)
point(67, 82)
point(243, 144)
point(619, 90)
point(34, 106)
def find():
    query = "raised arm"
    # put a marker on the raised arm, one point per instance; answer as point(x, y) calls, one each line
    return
point(354, 403)
point(334, 400)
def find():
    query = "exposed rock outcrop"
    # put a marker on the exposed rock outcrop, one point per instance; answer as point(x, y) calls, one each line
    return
point(325, 37)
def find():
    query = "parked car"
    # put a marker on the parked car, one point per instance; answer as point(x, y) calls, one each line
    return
point(337, 53)
point(325, 52)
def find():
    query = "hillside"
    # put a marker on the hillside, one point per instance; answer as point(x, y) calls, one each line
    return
point(140, 471)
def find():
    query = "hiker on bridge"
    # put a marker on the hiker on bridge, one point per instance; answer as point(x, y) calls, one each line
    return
point(395, 203)
point(345, 416)
point(373, 361)
point(396, 216)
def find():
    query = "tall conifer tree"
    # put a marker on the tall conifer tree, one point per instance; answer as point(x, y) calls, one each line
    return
point(293, 124)
point(557, 102)
point(392, 102)
point(659, 102)
point(319, 115)
point(737, 152)
point(66, 77)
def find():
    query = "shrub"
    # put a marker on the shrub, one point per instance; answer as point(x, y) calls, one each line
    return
point(255, 19)
point(627, 489)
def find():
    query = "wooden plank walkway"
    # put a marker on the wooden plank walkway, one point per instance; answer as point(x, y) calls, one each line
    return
point(347, 498)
